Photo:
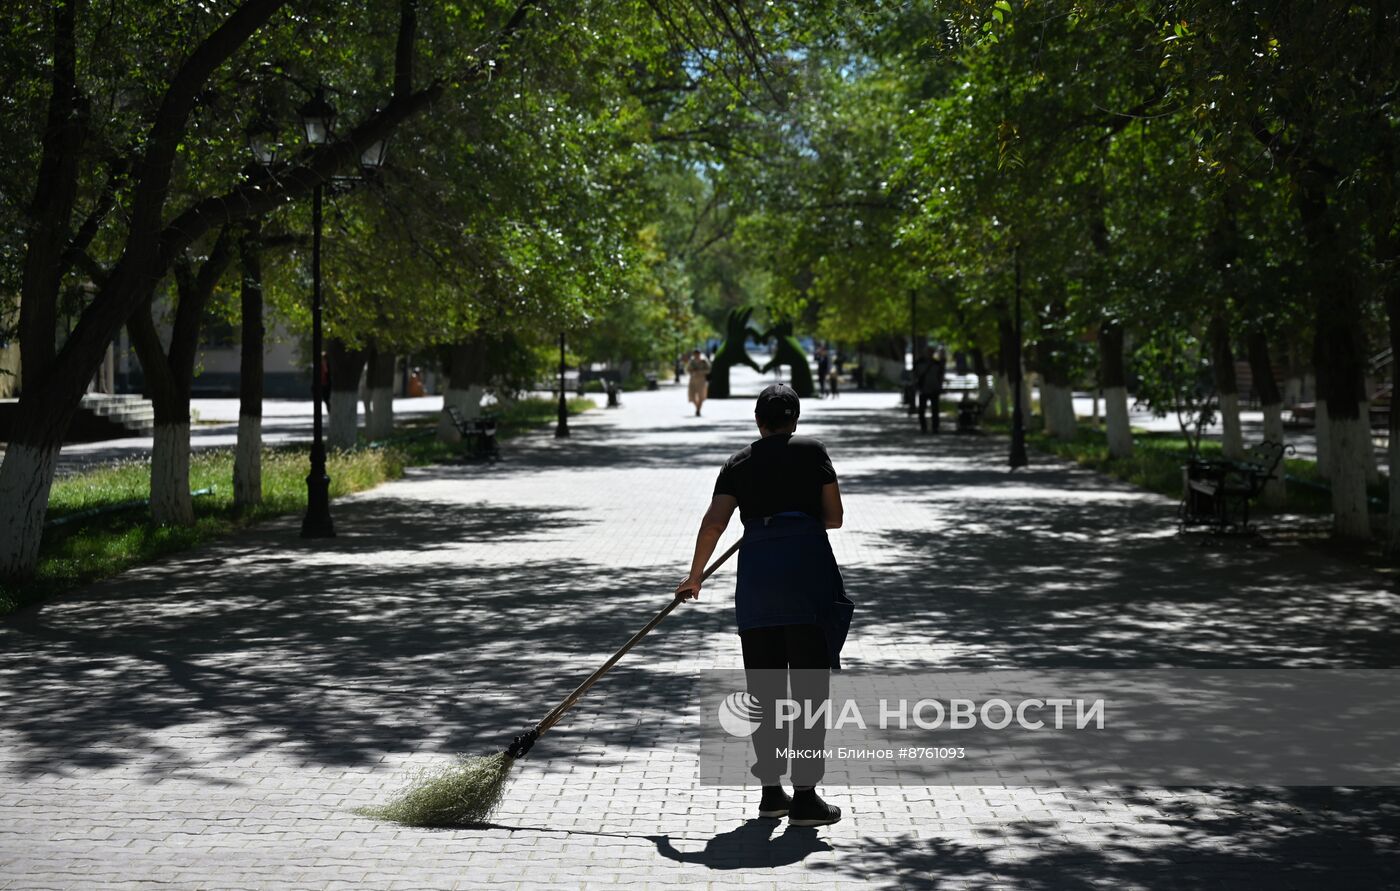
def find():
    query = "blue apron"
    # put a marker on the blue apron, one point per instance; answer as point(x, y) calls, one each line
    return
point(788, 576)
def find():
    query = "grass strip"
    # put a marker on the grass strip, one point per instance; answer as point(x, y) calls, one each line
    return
point(85, 540)
point(1158, 457)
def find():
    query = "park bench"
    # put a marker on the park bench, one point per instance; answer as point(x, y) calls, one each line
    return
point(478, 435)
point(1216, 493)
point(611, 379)
point(970, 412)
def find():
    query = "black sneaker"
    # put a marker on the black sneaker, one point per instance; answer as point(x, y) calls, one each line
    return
point(808, 809)
point(775, 802)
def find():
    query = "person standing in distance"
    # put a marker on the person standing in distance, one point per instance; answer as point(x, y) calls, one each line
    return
point(789, 599)
point(699, 370)
point(928, 383)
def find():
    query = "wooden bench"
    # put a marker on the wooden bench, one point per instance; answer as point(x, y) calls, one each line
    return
point(478, 435)
point(970, 411)
point(1216, 493)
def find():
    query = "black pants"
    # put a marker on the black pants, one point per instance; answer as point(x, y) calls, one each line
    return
point(928, 401)
point(775, 658)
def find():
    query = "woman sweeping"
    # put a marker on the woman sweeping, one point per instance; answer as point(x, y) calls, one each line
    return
point(791, 606)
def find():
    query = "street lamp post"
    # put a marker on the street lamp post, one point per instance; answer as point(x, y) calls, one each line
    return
point(317, 118)
point(1018, 417)
point(561, 431)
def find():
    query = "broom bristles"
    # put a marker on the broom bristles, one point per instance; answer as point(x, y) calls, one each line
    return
point(463, 793)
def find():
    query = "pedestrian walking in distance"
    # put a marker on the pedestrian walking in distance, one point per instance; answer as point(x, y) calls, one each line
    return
point(789, 600)
point(699, 370)
point(928, 385)
point(823, 370)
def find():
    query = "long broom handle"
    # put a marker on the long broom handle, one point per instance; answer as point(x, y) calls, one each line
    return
point(553, 717)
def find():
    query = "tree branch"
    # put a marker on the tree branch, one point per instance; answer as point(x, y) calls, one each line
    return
point(403, 54)
point(77, 247)
point(1290, 156)
point(55, 192)
point(268, 190)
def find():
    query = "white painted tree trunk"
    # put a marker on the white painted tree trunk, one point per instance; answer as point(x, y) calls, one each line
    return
point(1057, 404)
point(1232, 438)
point(1119, 432)
point(171, 504)
point(1002, 387)
point(1322, 431)
point(381, 416)
point(345, 419)
point(26, 475)
point(1373, 471)
point(1350, 439)
point(468, 402)
point(1275, 490)
point(983, 388)
point(247, 462)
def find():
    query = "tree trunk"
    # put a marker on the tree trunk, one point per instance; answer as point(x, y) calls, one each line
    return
point(1013, 372)
point(1271, 400)
point(1056, 395)
point(171, 502)
point(1001, 406)
point(1340, 361)
point(26, 476)
point(380, 381)
point(1351, 439)
point(466, 376)
point(247, 455)
point(52, 390)
point(346, 366)
point(1057, 402)
point(1113, 379)
point(169, 374)
point(1227, 388)
point(979, 368)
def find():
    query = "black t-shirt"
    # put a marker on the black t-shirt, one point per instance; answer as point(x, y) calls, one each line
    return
point(779, 473)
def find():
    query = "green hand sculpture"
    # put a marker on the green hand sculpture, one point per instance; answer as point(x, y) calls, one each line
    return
point(789, 352)
point(731, 352)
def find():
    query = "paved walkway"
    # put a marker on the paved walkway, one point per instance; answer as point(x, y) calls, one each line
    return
point(210, 722)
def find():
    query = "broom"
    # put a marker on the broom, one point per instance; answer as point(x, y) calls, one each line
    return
point(467, 791)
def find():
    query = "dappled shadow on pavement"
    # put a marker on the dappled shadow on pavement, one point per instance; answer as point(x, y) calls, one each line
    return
point(337, 659)
point(1323, 839)
point(407, 634)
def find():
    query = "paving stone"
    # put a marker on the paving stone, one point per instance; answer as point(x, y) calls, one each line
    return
point(213, 720)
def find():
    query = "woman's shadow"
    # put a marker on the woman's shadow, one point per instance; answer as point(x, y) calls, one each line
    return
point(750, 844)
